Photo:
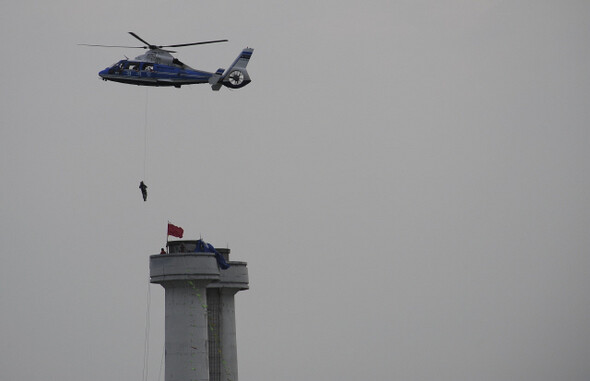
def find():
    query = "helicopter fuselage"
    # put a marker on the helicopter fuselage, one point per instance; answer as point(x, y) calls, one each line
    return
point(153, 74)
point(158, 67)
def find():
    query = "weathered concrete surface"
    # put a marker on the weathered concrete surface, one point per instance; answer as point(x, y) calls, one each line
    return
point(193, 266)
point(187, 279)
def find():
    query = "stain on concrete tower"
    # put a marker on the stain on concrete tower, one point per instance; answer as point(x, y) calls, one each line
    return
point(200, 325)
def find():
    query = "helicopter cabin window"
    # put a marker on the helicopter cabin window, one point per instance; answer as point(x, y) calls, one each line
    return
point(148, 67)
point(134, 66)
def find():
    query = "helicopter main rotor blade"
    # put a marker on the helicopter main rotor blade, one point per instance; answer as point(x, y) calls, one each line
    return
point(142, 40)
point(114, 46)
point(192, 43)
point(150, 46)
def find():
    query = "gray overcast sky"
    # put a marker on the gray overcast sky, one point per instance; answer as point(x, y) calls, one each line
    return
point(407, 180)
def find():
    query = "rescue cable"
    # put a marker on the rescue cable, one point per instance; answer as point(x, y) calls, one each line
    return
point(142, 185)
point(145, 133)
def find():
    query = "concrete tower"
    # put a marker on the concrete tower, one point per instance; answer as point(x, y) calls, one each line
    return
point(200, 325)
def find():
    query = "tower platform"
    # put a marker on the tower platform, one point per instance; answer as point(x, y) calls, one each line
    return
point(200, 324)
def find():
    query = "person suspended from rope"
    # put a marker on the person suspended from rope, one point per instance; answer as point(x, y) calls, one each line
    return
point(143, 188)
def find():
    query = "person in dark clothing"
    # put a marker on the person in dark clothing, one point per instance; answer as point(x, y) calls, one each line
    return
point(143, 188)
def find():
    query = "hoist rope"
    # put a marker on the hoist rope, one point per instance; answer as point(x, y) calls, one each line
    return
point(146, 348)
point(162, 362)
point(145, 134)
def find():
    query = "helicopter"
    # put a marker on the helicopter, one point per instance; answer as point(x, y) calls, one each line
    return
point(157, 67)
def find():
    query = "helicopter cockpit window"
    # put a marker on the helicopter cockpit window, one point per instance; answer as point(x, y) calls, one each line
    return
point(134, 66)
point(116, 67)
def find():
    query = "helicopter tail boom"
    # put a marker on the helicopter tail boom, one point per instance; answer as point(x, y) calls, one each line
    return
point(215, 79)
point(236, 76)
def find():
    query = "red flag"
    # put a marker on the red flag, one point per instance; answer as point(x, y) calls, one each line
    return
point(175, 231)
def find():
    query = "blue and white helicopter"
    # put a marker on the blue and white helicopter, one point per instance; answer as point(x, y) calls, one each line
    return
point(157, 67)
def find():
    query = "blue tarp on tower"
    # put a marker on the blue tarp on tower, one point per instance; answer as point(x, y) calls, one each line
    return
point(204, 247)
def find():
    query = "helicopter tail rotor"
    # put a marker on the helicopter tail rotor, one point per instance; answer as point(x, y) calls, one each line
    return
point(236, 76)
